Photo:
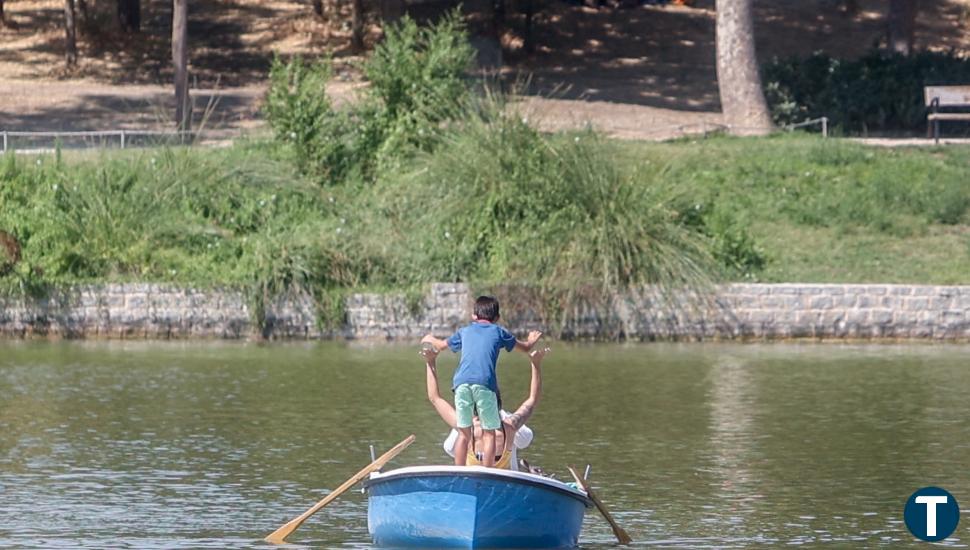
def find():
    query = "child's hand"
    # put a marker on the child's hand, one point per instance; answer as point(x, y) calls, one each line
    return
point(428, 339)
point(534, 336)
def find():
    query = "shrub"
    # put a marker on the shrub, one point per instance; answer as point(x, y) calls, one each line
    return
point(417, 81)
point(877, 92)
point(730, 243)
point(297, 106)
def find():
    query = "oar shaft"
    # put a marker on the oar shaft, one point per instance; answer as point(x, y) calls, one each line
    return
point(619, 532)
point(279, 536)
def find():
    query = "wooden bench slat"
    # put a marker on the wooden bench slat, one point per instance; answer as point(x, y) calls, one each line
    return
point(948, 96)
point(948, 116)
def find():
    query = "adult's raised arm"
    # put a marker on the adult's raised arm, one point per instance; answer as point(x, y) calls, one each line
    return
point(445, 409)
point(524, 412)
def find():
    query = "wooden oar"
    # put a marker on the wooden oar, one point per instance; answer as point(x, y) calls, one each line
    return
point(621, 535)
point(278, 536)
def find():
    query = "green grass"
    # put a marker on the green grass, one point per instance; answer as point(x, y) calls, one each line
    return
point(497, 203)
point(823, 255)
point(828, 210)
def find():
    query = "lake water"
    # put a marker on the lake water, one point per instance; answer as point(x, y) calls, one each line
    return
point(171, 445)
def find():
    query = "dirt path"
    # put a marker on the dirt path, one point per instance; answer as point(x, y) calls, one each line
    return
point(643, 72)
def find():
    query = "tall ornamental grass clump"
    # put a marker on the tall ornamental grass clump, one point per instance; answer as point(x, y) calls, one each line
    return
point(500, 203)
point(416, 81)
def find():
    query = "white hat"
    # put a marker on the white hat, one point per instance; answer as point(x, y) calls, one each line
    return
point(523, 437)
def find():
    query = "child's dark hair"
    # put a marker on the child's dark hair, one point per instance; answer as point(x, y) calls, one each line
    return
point(486, 308)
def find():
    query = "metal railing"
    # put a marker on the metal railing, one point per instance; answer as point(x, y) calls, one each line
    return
point(824, 121)
point(123, 139)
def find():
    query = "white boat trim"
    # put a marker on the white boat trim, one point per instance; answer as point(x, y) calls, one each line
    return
point(479, 470)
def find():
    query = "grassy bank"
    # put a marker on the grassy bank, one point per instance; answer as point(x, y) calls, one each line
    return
point(791, 208)
point(830, 210)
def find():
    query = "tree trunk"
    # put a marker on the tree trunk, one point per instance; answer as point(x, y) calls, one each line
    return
point(70, 30)
point(901, 25)
point(3, 18)
point(82, 11)
point(180, 59)
point(357, 25)
point(129, 15)
point(742, 98)
point(317, 7)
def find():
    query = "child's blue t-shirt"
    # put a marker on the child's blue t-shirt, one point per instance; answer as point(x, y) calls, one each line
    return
point(479, 344)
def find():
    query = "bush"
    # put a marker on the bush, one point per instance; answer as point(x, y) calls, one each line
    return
point(877, 92)
point(417, 81)
point(731, 245)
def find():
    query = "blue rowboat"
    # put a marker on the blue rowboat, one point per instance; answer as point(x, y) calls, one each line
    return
point(472, 507)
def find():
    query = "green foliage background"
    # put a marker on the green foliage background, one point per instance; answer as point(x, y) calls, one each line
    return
point(878, 92)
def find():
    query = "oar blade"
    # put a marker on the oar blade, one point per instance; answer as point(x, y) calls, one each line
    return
point(620, 533)
point(279, 536)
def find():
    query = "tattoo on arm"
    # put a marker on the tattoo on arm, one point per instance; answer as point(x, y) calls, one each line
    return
point(519, 418)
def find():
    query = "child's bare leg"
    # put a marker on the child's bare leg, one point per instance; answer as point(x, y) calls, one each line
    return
point(488, 448)
point(461, 446)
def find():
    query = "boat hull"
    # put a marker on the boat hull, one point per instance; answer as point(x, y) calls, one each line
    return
point(472, 507)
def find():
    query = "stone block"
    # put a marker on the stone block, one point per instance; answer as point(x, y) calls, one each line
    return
point(857, 317)
point(136, 301)
point(881, 316)
point(786, 290)
point(820, 302)
point(845, 301)
point(905, 318)
point(832, 317)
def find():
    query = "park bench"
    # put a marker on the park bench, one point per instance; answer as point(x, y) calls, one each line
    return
point(946, 97)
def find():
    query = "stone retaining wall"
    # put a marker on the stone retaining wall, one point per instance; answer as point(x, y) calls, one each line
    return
point(737, 311)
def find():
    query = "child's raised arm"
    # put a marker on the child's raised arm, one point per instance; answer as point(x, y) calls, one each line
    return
point(526, 346)
point(437, 343)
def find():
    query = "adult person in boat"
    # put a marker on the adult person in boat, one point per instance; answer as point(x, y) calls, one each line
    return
point(513, 435)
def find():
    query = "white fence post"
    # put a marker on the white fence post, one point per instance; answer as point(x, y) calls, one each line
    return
point(122, 139)
point(4, 141)
point(825, 126)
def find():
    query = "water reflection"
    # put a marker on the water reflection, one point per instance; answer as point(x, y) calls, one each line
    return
point(732, 435)
point(215, 445)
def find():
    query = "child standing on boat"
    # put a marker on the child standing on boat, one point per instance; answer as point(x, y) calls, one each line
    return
point(475, 383)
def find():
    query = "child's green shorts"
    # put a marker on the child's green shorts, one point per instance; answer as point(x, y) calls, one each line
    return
point(468, 398)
